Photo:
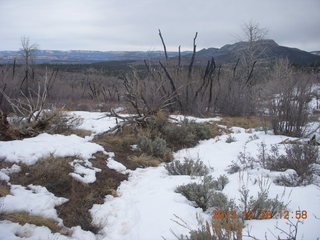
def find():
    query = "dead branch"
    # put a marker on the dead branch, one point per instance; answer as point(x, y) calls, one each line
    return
point(193, 54)
point(164, 45)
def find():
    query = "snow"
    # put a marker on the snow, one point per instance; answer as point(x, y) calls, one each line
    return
point(96, 122)
point(4, 172)
point(30, 150)
point(119, 167)
point(15, 231)
point(113, 164)
point(145, 207)
point(35, 200)
point(199, 120)
point(83, 171)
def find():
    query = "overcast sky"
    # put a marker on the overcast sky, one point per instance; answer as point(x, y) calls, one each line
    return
point(133, 24)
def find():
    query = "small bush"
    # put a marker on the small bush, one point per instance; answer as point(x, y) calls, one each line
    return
point(221, 182)
point(56, 122)
point(203, 194)
point(244, 161)
point(234, 167)
point(259, 204)
point(231, 139)
point(158, 122)
point(157, 147)
point(217, 229)
point(299, 157)
point(51, 121)
point(186, 134)
point(188, 167)
point(253, 137)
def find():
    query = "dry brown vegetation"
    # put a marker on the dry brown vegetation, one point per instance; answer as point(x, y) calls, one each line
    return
point(144, 160)
point(224, 229)
point(243, 122)
point(24, 217)
point(53, 173)
point(120, 145)
point(4, 188)
point(79, 132)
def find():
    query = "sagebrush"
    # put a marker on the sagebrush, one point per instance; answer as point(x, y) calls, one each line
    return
point(187, 167)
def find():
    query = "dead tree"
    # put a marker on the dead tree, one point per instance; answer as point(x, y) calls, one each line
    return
point(28, 51)
point(28, 107)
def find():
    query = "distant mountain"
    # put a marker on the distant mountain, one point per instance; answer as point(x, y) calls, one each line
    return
point(315, 52)
point(83, 56)
point(266, 50)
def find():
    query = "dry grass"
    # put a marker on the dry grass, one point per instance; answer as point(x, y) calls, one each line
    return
point(123, 139)
point(79, 132)
point(243, 122)
point(216, 130)
point(83, 196)
point(4, 188)
point(222, 229)
point(228, 228)
point(120, 144)
point(24, 217)
point(50, 172)
point(53, 173)
point(145, 160)
point(5, 164)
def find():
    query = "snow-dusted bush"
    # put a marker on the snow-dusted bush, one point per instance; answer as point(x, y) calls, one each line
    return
point(287, 98)
point(234, 167)
point(221, 182)
point(290, 178)
point(157, 147)
point(187, 167)
point(204, 194)
point(244, 161)
point(57, 122)
point(256, 207)
point(230, 139)
point(299, 158)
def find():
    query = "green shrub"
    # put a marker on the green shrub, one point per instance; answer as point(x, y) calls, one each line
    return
point(221, 182)
point(188, 167)
point(179, 136)
point(186, 134)
point(145, 144)
point(157, 147)
point(156, 123)
point(203, 194)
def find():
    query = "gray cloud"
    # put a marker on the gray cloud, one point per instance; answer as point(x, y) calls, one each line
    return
point(133, 25)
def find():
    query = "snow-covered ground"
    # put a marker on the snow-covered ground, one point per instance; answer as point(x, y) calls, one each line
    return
point(147, 207)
